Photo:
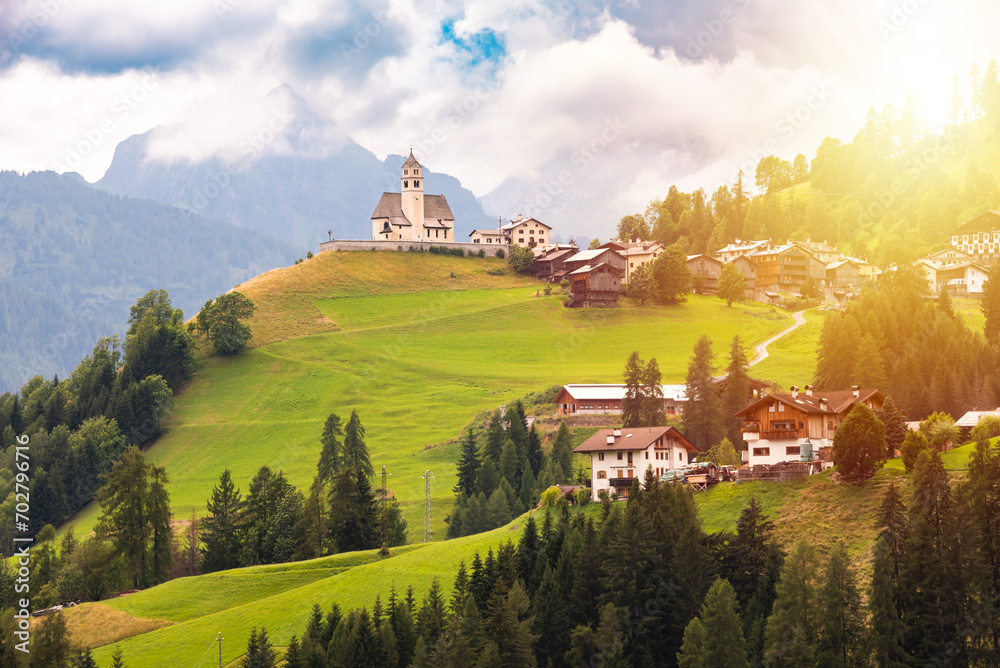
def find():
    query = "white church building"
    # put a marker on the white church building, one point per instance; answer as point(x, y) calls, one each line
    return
point(410, 215)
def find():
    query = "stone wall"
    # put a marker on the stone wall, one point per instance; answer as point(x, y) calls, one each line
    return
point(398, 244)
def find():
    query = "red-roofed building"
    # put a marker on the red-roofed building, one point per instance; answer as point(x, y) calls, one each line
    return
point(618, 456)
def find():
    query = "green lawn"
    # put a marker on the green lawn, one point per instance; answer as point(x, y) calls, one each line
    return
point(969, 309)
point(417, 368)
point(792, 359)
point(284, 610)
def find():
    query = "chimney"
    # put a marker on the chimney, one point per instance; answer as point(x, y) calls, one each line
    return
point(824, 404)
point(618, 432)
point(795, 391)
point(809, 390)
point(611, 440)
point(856, 389)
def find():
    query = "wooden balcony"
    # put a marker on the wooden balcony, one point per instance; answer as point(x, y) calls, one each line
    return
point(620, 482)
point(782, 434)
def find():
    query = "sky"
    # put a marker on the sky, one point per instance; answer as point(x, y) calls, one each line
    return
point(623, 97)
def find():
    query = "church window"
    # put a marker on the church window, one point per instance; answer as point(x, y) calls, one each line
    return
point(406, 184)
point(405, 172)
point(416, 184)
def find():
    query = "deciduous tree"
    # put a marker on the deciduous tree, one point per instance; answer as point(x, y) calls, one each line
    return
point(732, 284)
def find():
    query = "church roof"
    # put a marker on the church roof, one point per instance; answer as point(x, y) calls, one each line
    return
point(391, 206)
point(411, 161)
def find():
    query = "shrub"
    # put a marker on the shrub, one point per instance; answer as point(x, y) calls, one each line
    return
point(521, 260)
point(481, 253)
point(500, 254)
point(914, 443)
point(309, 255)
point(547, 290)
point(988, 427)
point(496, 272)
point(451, 274)
point(583, 496)
point(550, 496)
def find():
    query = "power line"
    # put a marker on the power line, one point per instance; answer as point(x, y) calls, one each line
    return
point(860, 192)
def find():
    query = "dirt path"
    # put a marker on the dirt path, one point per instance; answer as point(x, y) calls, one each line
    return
point(760, 350)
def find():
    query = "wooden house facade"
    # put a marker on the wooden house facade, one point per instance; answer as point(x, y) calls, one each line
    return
point(785, 427)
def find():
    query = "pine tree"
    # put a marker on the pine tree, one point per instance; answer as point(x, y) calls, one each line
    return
point(842, 625)
point(506, 631)
point(488, 478)
point(551, 623)
point(702, 415)
point(260, 652)
point(562, 453)
point(118, 659)
point(895, 426)
point(534, 452)
point(468, 465)
point(495, 438)
point(747, 556)
point(736, 392)
point(161, 554)
point(433, 615)
point(85, 659)
point(892, 519)
point(293, 654)
point(692, 654)
point(762, 604)
point(352, 512)
point(509, 462)
point(526, 490)
point(651, 413)
point(790, 638)
point(355, 450)
point(50, 644)
point(124, 519)
point(331, 454)
point(886, 627)
point(221, 529)
point(632, 402)
point(497, 509)
point(723, 629)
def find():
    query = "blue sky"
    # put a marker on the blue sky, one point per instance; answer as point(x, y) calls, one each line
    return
point(492, 91)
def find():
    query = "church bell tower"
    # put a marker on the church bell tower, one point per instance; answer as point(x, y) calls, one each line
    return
point(412, 189)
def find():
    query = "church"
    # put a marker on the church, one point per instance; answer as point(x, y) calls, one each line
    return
point(409, 215)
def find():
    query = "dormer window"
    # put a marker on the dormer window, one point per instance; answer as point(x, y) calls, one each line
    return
point(405, 172)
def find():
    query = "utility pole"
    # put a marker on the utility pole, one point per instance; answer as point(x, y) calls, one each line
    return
point(384, 518)
point(219, 640)
point(428, 531)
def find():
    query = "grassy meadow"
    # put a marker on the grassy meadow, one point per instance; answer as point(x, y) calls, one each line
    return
point(418, 366)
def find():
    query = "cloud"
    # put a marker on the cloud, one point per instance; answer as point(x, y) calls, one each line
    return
point(491, 91)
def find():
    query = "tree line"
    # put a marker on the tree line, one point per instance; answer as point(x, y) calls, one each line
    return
point(890, 192)
point(503, 472)
point(644, 584)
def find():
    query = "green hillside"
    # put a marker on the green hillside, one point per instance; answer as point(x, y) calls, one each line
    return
point(278, 597)
point(418, 354)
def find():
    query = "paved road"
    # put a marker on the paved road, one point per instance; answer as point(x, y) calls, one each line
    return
point(760, 350)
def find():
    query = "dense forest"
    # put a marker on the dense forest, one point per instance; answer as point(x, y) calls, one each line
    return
point(642, 584)
point(74, 258)
point(889, 195)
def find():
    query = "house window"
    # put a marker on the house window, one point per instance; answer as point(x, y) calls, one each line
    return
point(680, 456)
point(601, 475)
point(647, 454)
point(619, 456)
point(630, 458)
point(793, 450)
point(829, 424)
point(770, 408)
point(600, 456)
point(761, 452)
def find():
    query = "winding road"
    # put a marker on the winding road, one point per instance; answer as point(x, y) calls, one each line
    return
point(760, 350)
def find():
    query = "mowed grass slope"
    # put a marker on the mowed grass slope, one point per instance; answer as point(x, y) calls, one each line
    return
point(284, 611)
point(417, 366)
